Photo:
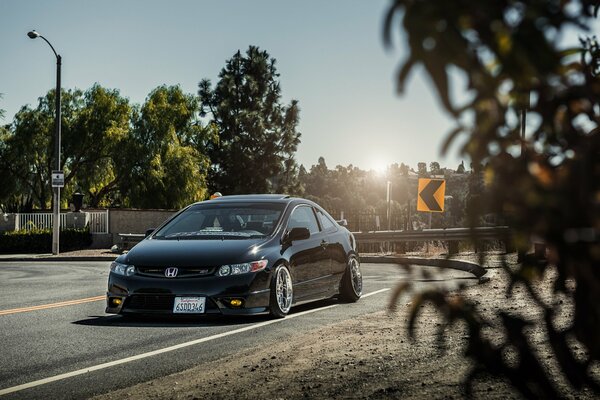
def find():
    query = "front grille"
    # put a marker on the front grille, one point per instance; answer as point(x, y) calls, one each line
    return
point(183, 272)
point(150, 302)
point(153, 302)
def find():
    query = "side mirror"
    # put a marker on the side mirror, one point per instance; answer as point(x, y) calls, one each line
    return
point(149, 232)
point(297, 234)
point(342, 222)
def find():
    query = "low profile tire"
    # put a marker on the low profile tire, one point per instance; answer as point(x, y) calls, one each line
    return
point(282, 292)
point(351, 284)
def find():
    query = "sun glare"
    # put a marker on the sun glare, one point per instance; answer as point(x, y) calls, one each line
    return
point(379, 168)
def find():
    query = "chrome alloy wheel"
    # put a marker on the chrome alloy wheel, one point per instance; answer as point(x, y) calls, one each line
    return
point(355, 275)
point(284, 290)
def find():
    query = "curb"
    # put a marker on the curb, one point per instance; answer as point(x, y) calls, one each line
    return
point(466, 266)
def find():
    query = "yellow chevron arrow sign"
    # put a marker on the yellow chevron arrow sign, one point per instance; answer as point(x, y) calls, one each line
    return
point(431, 195)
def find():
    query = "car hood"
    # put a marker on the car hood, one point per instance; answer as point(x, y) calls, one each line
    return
point(193, 253)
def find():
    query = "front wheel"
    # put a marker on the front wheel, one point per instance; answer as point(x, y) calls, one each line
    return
point(351, 284)
point(282, 292)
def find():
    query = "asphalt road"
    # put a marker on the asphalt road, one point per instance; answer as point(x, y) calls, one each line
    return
point(57, 342)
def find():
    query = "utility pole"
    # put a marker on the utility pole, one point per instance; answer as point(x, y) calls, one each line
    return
point(55, 186)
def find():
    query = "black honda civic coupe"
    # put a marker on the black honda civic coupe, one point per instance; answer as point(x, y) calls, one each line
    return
point(237, 255)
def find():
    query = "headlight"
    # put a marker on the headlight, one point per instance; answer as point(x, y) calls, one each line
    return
point(122, 269)
point(238, 269)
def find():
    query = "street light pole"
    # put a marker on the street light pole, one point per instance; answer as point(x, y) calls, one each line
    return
point(56, 190)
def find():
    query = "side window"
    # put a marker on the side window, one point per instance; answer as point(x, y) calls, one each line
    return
point(303, 217)
point(326, 223)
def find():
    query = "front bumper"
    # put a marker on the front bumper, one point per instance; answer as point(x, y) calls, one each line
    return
point(155, 296)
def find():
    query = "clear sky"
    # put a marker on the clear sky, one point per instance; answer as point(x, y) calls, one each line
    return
point(330, 56)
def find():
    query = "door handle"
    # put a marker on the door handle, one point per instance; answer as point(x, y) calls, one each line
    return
point(324, 244)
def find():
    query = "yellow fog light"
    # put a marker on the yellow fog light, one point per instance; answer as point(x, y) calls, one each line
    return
point(116, 301)
point(235, 302)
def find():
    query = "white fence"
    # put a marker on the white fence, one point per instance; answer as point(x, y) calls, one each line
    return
point(97, 221)
point(30, 221)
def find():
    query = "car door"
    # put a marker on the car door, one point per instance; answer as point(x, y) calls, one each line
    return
point(309, 259)
point(333, 241)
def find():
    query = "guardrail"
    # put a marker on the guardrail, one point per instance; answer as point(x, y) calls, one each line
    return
point(450, 235)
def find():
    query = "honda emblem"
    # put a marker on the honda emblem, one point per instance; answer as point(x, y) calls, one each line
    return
point(171, 272)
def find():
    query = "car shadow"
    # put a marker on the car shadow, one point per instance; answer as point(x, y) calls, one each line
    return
point(159, 321)
point(151, 321)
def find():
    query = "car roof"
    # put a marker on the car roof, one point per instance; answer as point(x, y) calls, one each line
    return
point(261, 198)
point(283, 198)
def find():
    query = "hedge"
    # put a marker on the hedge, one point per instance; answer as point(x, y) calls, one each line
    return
point(40, 240)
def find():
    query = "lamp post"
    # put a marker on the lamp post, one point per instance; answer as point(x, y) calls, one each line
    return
point(56, 189)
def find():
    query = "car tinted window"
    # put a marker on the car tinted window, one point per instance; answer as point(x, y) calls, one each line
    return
point(326, 223)
point(303, 217)
point(227, 221)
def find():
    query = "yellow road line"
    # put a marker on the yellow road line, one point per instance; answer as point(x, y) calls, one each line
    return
point(52, 305)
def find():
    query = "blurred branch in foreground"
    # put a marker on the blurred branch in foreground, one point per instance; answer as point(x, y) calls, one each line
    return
point(546, 184)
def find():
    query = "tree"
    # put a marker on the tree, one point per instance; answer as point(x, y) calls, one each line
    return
point(509, 52)
point(2, 111)
point(94, 147)
point(95, 125)
point(316, 182)
point(169, 141)
point(435, 168)
point(404, 169)
point(257, 134)
point(28, 154)
point(422, 168)
point(461, 168)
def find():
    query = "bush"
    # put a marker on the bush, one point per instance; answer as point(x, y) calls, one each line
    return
point(40, 240)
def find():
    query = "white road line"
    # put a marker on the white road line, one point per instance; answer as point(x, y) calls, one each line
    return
point(164, 350)
point(375, 292)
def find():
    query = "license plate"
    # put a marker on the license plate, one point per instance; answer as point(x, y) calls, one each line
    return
point(189, 305)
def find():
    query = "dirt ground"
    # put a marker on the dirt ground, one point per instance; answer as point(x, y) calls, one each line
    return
point(370, 357)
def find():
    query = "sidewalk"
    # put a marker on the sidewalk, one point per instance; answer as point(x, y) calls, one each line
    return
point(77, 255)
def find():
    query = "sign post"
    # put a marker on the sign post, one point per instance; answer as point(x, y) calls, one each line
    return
point(58, 181)
point(431, 197)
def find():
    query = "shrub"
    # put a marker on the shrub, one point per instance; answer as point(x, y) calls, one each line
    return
point(40, 240)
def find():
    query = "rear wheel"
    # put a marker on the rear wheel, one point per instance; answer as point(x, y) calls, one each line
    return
point(282, 292)
point(351, 284)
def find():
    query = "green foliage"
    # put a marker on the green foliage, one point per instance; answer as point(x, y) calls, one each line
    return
point(546, 185)
point(152, 157)
point(40, 241)
point(159, 154)
point(95, 124)
point(93, 146)
point(168, 152)
point(257, 134)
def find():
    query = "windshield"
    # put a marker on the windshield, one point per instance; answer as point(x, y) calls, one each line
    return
point(223, 221)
